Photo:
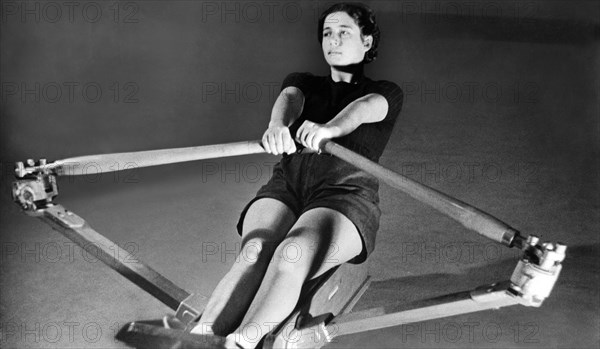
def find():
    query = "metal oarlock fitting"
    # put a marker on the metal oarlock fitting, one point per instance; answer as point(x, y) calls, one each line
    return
point(36, 186)
point(538, 270)
point(190, 309)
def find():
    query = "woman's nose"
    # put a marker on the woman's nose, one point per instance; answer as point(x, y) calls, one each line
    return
point(335, 41)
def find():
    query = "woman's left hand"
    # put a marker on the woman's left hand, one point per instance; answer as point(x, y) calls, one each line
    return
point(311, 134)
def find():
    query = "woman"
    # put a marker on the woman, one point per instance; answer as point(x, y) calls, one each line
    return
point(317, 211)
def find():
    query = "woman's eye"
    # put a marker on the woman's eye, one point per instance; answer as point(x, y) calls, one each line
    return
point(326, 34)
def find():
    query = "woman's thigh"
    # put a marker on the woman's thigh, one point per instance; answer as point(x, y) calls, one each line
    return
point(267, 221)
point(321, 239)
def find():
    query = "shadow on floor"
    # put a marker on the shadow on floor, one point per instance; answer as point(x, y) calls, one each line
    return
point(580, 271)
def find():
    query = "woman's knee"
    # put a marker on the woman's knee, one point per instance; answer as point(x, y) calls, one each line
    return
point(293, 256)
point(257, 249)
point(265, 225)
point(330, 239)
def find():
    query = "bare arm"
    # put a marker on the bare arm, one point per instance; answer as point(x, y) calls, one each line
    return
point(287, 107)
point(367, 109)
point(286, 110)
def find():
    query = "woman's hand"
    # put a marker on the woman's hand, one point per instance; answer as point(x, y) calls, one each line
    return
point(311, 134)
point(277, 140)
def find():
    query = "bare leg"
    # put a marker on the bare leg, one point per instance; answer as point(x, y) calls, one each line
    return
point(321, 239)
point(265, 225)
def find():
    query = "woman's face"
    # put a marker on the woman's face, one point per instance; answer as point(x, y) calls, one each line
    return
point(343, 43)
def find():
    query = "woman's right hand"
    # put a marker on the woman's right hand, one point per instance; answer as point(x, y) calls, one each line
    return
point(278, 140)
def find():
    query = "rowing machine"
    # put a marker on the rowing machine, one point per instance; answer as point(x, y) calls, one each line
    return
point(324, 309)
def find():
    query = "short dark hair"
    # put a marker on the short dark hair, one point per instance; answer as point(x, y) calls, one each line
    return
point(364, 18)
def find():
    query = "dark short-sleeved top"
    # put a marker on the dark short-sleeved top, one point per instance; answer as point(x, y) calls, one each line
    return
point(304, 181)
point(325, 98)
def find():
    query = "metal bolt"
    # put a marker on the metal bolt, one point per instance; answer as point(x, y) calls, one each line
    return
point(532, 240)
point(30, 162)
point(20, 169)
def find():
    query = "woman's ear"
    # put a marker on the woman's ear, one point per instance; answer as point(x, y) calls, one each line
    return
point(367, 42)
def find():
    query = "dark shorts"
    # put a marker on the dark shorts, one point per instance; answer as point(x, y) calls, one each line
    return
point(306, 181)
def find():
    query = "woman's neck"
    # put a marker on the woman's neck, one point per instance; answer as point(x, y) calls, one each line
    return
point(347, 73)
